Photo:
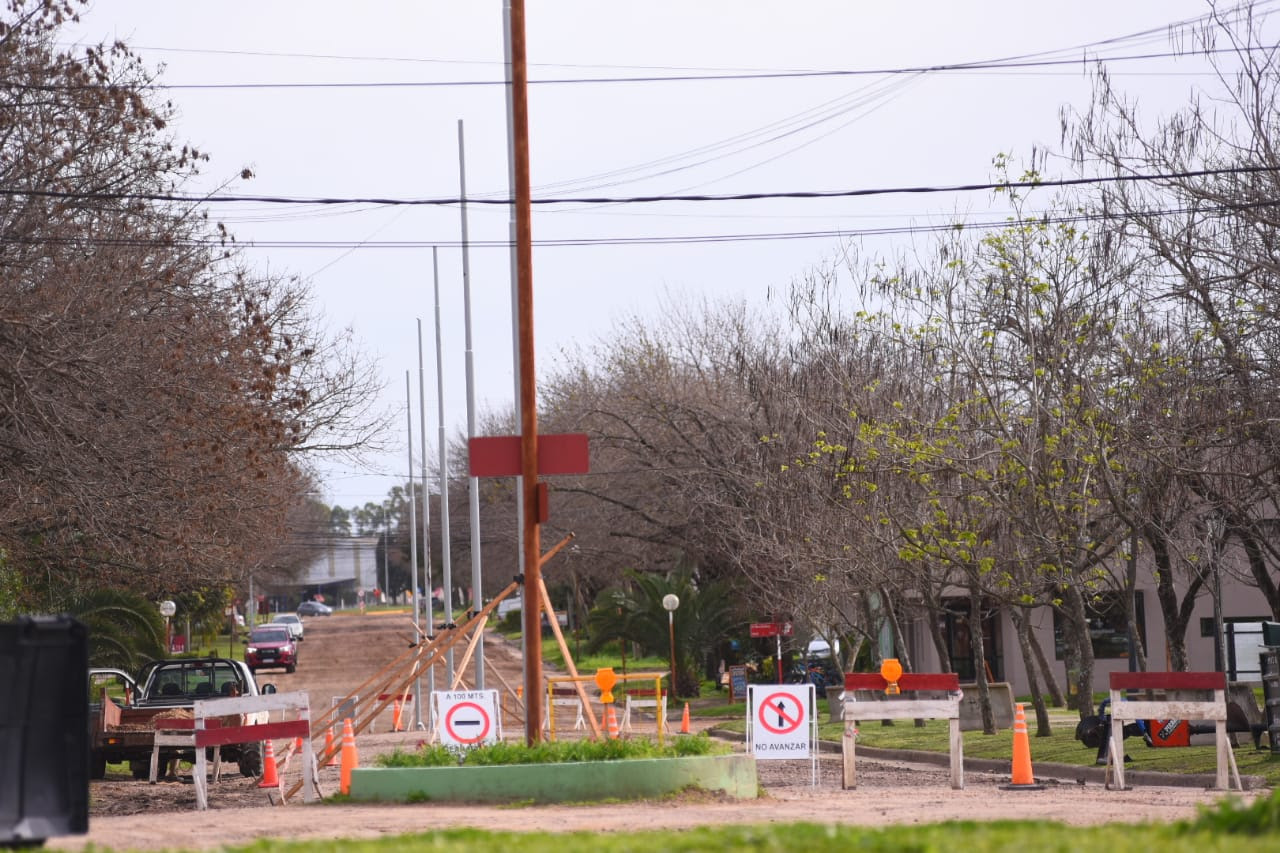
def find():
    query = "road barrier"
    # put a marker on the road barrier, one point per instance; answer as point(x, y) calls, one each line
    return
point(1124, 710)
point(895, 708)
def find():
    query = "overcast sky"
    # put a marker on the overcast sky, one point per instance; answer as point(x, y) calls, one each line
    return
point(271, 87)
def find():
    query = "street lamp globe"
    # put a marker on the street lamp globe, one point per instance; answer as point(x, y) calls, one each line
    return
point(670, 601)
point(168, 608)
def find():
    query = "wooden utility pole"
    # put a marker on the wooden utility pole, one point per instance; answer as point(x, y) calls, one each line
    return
point(528, 389)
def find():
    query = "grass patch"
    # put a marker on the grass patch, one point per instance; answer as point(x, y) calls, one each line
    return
point(620, 749)
point(813, 838)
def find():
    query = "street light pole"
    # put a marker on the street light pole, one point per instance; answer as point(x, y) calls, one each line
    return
point(167, 609)
point(671, 601)
point(386, 546)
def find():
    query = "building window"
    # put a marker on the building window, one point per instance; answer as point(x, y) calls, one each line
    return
point(1206, 622)
point(1107, 628)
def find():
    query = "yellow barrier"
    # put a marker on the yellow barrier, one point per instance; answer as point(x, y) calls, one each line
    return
point(656, 677)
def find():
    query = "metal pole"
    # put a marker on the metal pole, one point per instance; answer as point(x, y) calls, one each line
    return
point(473, 485)
point(446, 562)
point(386, 547)
point(426, 529)
point(528, 388)
point(413, 546)
point(671, 630)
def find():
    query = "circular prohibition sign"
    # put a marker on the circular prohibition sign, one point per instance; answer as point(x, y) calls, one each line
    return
point(777, 703)
point(451, 725)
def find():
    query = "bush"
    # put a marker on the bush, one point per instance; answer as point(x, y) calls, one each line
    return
point(614, 749)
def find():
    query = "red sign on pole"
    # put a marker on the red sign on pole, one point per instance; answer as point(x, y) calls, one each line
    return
point(765, 629)
point(499, 455)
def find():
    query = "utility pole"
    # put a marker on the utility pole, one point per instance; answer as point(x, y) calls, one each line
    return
point(531, 546)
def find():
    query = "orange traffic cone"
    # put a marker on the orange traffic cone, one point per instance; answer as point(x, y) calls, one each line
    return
point(684, 720)
point(1021, 778)
point(329, 750)
point(270, 778)
point(611, 722)
point(350, 761)
point(395, 716)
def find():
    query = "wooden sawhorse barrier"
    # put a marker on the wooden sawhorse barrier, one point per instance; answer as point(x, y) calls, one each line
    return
point(1127, 711)
point(946, 708)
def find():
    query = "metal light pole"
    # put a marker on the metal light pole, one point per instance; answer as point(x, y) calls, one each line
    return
point(386, 546)
point(167, 609)
point(671, 601)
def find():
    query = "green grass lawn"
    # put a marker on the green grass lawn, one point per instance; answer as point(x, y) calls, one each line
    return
point(1225, 828)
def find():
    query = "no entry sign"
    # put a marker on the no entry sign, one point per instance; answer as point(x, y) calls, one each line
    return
point(780, 720)
point(466, 718)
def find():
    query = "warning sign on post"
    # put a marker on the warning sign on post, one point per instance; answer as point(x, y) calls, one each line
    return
point(466, 718)
point(780, 721)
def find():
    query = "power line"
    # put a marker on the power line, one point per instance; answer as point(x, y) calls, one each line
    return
point(661, 78)
point(739, 237)
point(1136, 177)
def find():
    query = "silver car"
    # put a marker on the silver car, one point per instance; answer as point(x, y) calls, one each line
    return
point(291, 621)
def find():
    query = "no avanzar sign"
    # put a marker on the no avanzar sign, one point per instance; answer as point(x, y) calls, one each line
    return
point(780, 722)
point(467, 718)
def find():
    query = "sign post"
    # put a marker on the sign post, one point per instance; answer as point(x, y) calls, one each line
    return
point(782, 723)
point(467, 718)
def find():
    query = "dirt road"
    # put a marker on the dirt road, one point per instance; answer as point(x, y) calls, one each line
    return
point(343, 650)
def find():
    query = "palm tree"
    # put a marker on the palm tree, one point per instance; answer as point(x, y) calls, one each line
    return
point(125, 629)
point(635, 613)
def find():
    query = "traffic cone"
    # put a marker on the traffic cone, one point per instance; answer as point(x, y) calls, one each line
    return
point(328, 748)
point(395, 716)
point(611, 722)
point(270, 778)
point(350, 761)
point(1021, 777)
point(684, 720)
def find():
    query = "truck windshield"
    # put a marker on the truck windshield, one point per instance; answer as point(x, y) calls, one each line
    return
point(194, 680)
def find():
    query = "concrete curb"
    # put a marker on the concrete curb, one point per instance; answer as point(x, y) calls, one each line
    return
point(1043, 769)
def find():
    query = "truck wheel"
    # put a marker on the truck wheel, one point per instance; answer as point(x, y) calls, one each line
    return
point(98, 766)
point(142, 769)
point(291, 668)
point(251, 760)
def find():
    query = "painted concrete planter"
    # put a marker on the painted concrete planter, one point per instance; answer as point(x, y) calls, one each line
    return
point(566, 782)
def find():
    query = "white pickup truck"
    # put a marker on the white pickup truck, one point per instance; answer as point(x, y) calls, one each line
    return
point(165, 688)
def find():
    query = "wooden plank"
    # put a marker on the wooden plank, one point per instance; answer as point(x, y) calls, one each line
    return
point(1168, 710)
point(957, 753)
point(1168, 681)
point(848, 756)
point(249, 734)
point(907, 709)
point(250, 704)
point(909, 681)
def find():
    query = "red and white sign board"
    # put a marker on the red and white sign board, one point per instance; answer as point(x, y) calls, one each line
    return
point(780, 720)
point(764, 629)
point(467, 718)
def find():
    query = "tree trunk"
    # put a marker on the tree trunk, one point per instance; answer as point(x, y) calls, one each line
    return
point(1046, 670)
point(980, 659)
point(1084, 649)
point(1176, 616)
point(1258, 566)
point(934, 610)
point(1022, 627)
point(1130, 609)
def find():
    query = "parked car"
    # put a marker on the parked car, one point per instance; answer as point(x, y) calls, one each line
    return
point(291, 621)
point(271, 646)
point(314, 608)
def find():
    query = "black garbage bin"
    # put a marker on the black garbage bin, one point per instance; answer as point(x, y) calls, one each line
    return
point(44, 729)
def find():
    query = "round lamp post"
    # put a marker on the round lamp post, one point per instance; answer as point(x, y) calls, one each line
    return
point(671, 601)
point(167, 609)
